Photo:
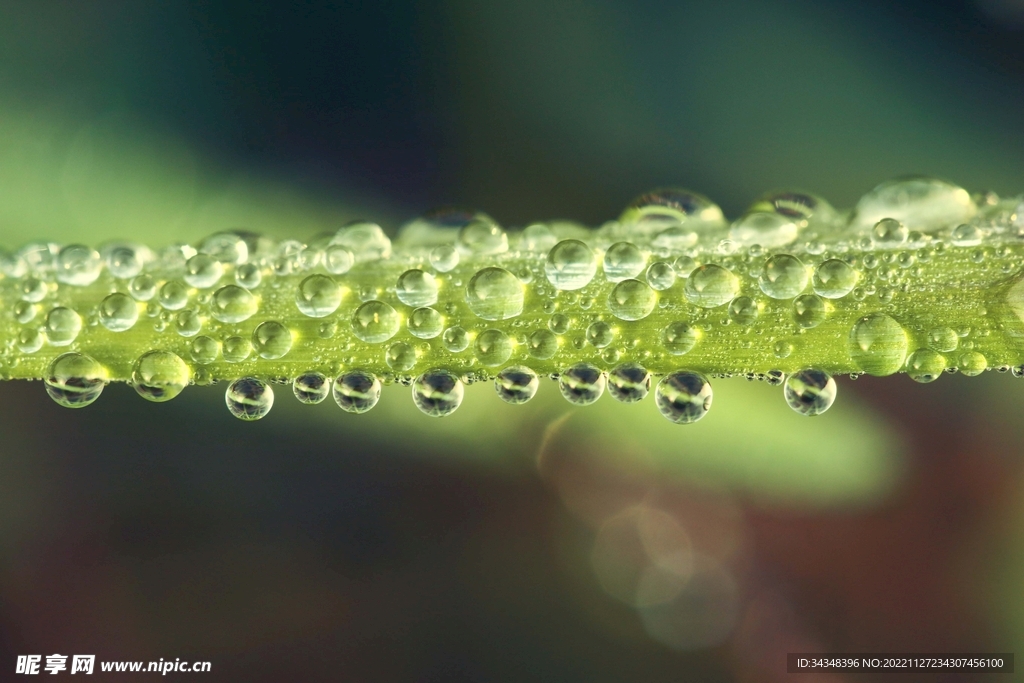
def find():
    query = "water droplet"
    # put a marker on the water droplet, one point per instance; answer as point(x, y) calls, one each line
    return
point(400, 357)
point(966, 236)
point(834, 279)
point(249, 398)
point(375, 322)
point(437, 393)
point(623, 260)
point(516, 384)
point(782, 349)
point(683, 397)
point(943, 339)
point(62, 326)
point(425, 323)
point(925, 365)
point(173, 295)
point(202, 271)
point(78, 265)
point(743, 310)
point(366, 241)
point(204, 350)
point(629, 382)
point(495, 294)
point(784, 277)
point(558, 323)
point(925, 203)
point(684, 266)
point(159, 376)
point(444, 258)
point(878, 345)
point(582, 384)
point(33, 289)
point(225, 247)
point(30, 341)
point(537, 237)
point(142, 287)
point(455, 339)
point(570, 265)
point(338, 260)
point(600, 334)
point(543, 344)
point(799, 206)
point(889, 232)
point(236, 349)
point(248, 275)
point(770, 230)
point(272, 340)
point(233, 304)
point(188, 323)
point(679, 338)
point(311, 387)
point(666, 206)
point(632, 300)
point(710, 286)
point(74, 380)
point(972, 363)
point(118, 312)
point(318, 296)
point(124, 261)
point(417, 288)
point(483, 237)
point(661, 276)
point(357, 391)
point(493, 348)
point(25, 312)
point(809, 310)
point(675, 238)
point(810, 392)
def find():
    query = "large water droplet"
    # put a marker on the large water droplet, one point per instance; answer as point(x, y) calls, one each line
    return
point(249, 398)
point(425, 323)
point(784, 277)
point(118, 312)
point(623, 260)
point(878, 345)
point(311, 387)
point(834, 279)
point(366, 241)
point(797, 206)
point(770, 230)
point(233, 304)
point(810, 392)
point(159, 376)
point(683, 397)
point(417, 288)
point(74, 380)
point(924, 203)
point(62, 326)
point(318, 296)
point(375, 322)
point(495, 294)
point(537, 237)
point(272, 340)
point(516, 384)
point(357, 391)
point(482, 236)
point(632, 300)
point(629, 382)
point(78, 265)
point(570, 265)
point(582, 384)
point(225, 247)
point(493, 347)
point(710, 286)
point(437, 393)
point(925, 365)
point(666, 206)
point(661, 276)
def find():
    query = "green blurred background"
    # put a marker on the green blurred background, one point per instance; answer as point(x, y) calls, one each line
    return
point(538, 542)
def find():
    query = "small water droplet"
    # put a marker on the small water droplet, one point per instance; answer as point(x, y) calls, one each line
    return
point(889, 232)
point(202, 271)
point(357, 391)
point(769, 230)
point(400, 357)
point(966, 235)
point(188, 323)
point(809, 310)
point(600, 334)
point(683, 397)
point(318, 296)
point(943, 339)
point(338, 260)
point(972, 363)
point(810, 392)
point(33, 289)
point(249, 398)
point(537, 237)
point(455, 339)
point(743, 310)
point(272, 340)
point(425, 323)
point(482, 236)
point(629, 382)
point(437, 393)
point(661, 276)
point(366, 241)
point(516, 384)
point(233, 304)
point(142, 287)
point(204, 350)
point(173, 295)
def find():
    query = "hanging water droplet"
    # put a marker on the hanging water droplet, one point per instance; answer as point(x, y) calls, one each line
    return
point(417, 288)
point(233, 304)
point(878, 345)
point(743, 310)
point(516, 384)
point(623, 260)
point(249, 398)
point(311, 387)
point(582, 384)
point(493, 348)
point(62, 326)
point(318, 296)
point(632, 300)
point(495, 294)
point(204, 350)
point(889, 232)
point(710, 286)
point(159, 376)
point(972, 363)
point(679, 338)
point(770, 230)
point(570, 265)
point(375, 322)
point(834, 279)
point(400, 357)
point(118, 312)
point(925, 365)
point(925, 203)
point(629, 382)
point(357, 391)
point(482, 236)
point(784, 277)
point(366, 241)
point(943, 339)
point(78, 265)
point(272, 340)
point(809, 310)
point(543, 344)
point(74, 380)
point(437, 393)
point(425, 323)
point(455, 339)
point(683, 397)
point(202, 271)
point(810, 392)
